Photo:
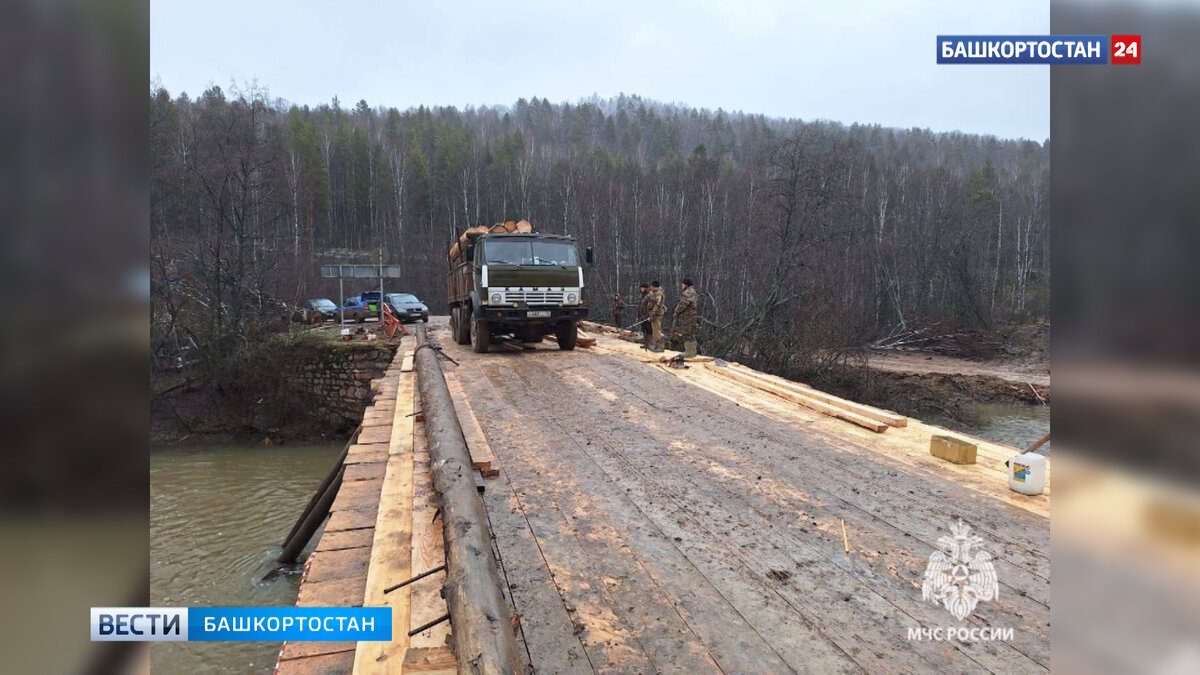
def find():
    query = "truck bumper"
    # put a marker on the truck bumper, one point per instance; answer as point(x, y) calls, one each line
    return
point(522, 314)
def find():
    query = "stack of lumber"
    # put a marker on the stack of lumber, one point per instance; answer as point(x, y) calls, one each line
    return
point(508, 226)
point(584, 340)
point(865, 416)
point(594, 327)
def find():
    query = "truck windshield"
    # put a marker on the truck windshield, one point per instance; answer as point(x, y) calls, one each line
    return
point(529, 252)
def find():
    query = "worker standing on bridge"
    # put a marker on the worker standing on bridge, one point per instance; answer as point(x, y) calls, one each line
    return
point(643, 314)
point(687, 316)
point(618, 308)
point(658, 308)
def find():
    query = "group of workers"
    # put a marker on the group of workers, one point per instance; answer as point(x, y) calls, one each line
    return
point(651, 309)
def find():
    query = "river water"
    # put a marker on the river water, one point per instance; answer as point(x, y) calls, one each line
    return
point(1013, 424)
point(217, 517)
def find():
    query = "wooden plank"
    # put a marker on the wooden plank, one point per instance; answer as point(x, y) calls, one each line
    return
point(403, 421)
point(853, 418)
point(333, 541)
point(359, 449)
point(365, 471)
point(377, 420)
point(340, 521)
point(390, 561)
point(360, 495)
point(374, 435)
point(430, 660)
point(377, 455)
point(342, 564)
point(886, 416)
point(340, 662)
point(482, 457)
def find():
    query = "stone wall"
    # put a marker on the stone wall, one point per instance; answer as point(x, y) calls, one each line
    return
point(337, 376)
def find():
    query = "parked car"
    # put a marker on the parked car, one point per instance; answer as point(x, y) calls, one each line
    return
point(407, 307)
point(315, 311)
point(356, 310)
point(370, 300)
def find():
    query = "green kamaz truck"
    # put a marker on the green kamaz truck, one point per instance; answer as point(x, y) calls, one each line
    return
point(508, 281)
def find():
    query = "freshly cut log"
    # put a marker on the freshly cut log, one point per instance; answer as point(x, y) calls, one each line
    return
point(805, 401)
point(524, 227)
point(886, 416)
point(482, 625)
point(461, 245)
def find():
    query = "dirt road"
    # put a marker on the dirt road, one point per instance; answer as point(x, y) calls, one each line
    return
point(646, 522)
point(921, 363)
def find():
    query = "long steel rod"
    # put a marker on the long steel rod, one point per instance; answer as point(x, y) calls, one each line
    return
point(293, 547)
point(333, 472)
point(484, 641)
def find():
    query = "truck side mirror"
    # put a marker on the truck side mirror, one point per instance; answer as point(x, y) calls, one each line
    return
point(589, 255)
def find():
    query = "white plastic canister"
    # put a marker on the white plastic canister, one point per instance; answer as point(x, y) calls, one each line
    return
point(1027, 473)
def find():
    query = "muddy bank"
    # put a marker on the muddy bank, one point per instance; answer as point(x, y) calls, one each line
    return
point(923, 385)
point(283, 391)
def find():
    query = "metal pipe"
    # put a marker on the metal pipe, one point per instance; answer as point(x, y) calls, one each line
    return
point(292, 549)
point(333, 472)
point(484, 640)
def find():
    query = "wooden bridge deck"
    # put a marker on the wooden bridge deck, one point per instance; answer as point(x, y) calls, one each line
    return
point(381, 528)
point(658, 520)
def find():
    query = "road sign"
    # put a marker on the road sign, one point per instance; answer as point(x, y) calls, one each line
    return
point(360, 271)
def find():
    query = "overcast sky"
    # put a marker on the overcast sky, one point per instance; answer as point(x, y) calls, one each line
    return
point(844, 60)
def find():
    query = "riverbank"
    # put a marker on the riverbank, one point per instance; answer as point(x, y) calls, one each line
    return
point(961, 392)
point(294, 388)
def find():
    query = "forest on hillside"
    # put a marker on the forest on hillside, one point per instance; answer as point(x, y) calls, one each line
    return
point(804, 238)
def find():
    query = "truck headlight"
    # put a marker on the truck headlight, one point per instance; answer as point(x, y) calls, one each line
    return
point(571, 297)
point(497, 298)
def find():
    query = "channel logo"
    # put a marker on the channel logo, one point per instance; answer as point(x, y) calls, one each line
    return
point(1038, 49)
point(242, 624)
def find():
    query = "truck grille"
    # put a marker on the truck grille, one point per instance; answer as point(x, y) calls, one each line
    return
point(535, 297)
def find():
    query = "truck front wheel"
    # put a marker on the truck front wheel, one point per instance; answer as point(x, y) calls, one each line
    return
point(567, 333)
point(481, 335)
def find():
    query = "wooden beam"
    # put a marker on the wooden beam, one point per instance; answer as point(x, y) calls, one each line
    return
point(391, 560)
point(482, 457)
point(824, 408)
point(886, 416)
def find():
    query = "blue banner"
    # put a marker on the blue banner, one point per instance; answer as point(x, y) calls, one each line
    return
point(274, 624)
point(257, 624)
point(1023, 49)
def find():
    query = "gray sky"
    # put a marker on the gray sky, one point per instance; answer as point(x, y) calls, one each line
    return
point(844, 60)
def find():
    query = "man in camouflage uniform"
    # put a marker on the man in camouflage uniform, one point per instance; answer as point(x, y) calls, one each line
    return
point(687, 317)
point(618, 308)
point(658, 308)
point(643, 312)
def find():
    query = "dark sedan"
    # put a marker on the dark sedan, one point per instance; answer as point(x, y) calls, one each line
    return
point(315, 311)
point(407, 307)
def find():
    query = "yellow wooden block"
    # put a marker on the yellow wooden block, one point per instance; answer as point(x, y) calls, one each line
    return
point(952, 449)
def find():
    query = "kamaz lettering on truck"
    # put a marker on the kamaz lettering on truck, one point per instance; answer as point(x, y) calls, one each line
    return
point(508, 281)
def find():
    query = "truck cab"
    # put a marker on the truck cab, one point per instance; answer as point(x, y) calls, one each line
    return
point(523, 285)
